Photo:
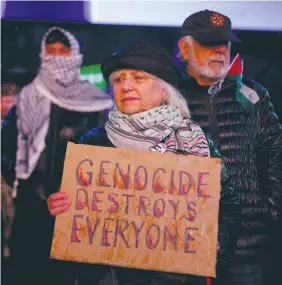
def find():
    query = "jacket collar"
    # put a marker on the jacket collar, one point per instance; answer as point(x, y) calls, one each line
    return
point(190, 84)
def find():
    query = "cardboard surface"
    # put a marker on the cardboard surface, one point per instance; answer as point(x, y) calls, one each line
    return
point(141, 210)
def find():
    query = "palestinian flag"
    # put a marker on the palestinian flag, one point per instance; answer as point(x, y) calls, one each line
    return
point(245, 95)
point(236, 69)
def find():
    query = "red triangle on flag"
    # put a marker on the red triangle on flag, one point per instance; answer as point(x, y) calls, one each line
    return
point(236, 67)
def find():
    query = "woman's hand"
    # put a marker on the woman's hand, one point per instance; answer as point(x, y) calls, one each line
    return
point(58, 203)
point(67, 133)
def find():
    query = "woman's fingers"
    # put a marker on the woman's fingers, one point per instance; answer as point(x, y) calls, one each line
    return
point(59, 203)
point(58, 196)
point(59, 210)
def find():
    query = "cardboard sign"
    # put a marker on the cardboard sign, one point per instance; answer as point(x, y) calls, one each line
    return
point(142, 210)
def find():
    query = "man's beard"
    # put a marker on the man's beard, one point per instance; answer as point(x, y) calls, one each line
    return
point(206, 72)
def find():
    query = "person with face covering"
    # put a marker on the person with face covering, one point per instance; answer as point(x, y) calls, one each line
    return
point(56, 107)
point(245, 129)
point(152, 116)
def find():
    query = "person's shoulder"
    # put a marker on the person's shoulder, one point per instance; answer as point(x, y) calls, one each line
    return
point(188, 83)
point(256, 86)
point(189, 89)
point(27, 87)
point(27, 91)
point(96, 136)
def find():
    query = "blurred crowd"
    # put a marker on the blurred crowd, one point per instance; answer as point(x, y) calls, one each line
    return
point(9, 92)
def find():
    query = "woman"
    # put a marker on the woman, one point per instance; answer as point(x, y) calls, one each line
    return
point(150, 115)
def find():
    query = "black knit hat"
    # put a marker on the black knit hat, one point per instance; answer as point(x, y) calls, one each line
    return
point(208, 28)
point(146, 56)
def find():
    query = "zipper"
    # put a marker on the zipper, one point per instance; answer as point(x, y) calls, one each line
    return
point(211, 107)
point(212, 119)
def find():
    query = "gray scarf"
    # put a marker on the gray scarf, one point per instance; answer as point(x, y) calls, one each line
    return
point(161, 129)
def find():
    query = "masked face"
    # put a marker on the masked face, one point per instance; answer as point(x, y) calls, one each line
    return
point(206, 64)
point(64, 70)
point(59, 62)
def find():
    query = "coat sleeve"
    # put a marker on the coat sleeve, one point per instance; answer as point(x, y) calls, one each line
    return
point(9, 133)
point(229, 217)
point(270, 154)
point(270, 174)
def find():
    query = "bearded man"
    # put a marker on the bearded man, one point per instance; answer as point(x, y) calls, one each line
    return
point(240, 118)
point(56, 107)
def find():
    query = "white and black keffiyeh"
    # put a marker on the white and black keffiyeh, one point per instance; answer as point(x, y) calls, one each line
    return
point(57, 82)
point(161, 129)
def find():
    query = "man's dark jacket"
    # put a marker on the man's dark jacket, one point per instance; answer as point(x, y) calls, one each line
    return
point(249, 139)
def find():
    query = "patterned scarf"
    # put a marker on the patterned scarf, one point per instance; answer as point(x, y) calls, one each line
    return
point(58, 83)
point(162, 129)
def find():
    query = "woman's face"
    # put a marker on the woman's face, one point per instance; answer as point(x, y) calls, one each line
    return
point(136, 91)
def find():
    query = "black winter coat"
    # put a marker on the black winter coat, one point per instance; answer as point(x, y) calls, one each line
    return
point(250, 144)
point(87, 274)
